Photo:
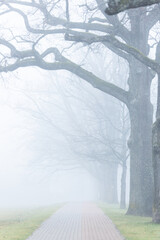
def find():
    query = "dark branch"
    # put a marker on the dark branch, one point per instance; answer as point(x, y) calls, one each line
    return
point(117, 6)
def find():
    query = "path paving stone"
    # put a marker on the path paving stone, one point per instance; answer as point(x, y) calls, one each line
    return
point(77, 221)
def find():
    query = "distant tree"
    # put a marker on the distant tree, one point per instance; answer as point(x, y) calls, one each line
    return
point(93, 127)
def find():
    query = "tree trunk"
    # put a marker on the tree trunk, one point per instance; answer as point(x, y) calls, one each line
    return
point(124, 150)
point(141, 183)
point(111, 179)
point(156, 160)
point(156, 167)
point(141, 114)
point(123, 186)
point(141, 179)
point(108, 184)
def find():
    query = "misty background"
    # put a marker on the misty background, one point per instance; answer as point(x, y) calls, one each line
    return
point(54, 128)
point(52, 131)
point(60, 138)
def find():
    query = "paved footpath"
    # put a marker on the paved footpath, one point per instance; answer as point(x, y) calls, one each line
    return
point(77, 221)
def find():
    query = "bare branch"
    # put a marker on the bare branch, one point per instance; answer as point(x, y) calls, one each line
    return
point(92, 38)
point(117, 6)
point(63, 63)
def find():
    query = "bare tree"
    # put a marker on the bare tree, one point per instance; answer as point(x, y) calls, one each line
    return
point(97, 136)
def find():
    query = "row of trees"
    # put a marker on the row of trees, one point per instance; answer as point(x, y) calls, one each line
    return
point(126, 35)
point(77, 127)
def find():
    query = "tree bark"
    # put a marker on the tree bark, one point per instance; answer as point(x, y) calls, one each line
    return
point(116, 6)
point(156, 167)
point(141, 114)
point(141, 183)
point(156, 160)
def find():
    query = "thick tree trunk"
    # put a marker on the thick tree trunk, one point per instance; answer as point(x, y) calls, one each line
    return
point(156, 167)
point(156, 160)
point(141, 181)
point(141, 113)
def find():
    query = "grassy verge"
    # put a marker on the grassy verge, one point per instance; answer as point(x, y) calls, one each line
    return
point(132, 227)
point(19, 224)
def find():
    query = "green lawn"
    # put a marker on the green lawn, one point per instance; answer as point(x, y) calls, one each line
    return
point(132, 227)
point(19, 224)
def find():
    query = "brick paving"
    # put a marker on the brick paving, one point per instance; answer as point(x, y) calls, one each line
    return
point(77, 221)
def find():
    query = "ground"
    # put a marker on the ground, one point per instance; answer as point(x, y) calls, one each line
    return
point(76, 221)
point(18, 224)
point(132, 227)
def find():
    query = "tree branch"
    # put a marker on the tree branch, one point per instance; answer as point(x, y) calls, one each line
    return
point(152, 18)
point(63, 63)
point(56, 21)
point(92, 38)
point(117, 6)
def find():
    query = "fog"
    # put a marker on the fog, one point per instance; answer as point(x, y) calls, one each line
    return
point(78, 99)
point(46, 152)
point(22, 183)
point(51, 137)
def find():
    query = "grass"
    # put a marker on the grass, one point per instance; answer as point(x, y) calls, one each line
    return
point(20, 224)
point(132, 227)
